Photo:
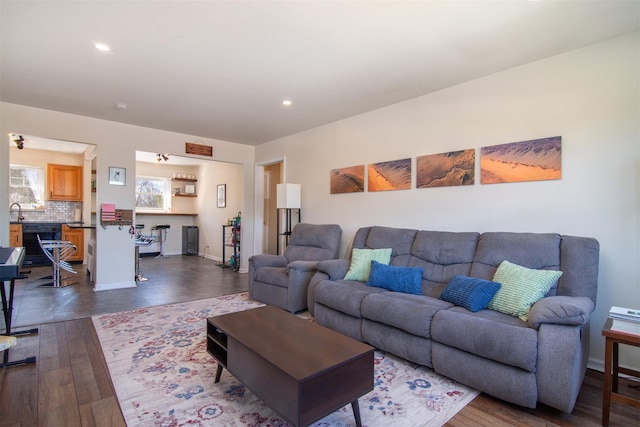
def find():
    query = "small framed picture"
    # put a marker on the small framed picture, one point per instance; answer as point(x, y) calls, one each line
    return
point(117, 176)
point(222, 195)
point(190, 189)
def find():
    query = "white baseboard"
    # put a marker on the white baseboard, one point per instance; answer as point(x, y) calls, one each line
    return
point(596, 364)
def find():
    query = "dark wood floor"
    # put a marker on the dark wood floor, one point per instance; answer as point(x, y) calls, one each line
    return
point(70, 384)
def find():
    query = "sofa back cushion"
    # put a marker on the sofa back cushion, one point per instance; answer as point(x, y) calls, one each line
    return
point(314, 242)
point(579, 261)
point(400, 240)
point(442, 255)
point(532, 250)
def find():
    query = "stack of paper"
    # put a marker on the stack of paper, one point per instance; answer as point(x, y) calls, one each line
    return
point(625, 320)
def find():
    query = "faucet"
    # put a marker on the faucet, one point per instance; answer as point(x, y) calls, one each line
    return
point(20, 216)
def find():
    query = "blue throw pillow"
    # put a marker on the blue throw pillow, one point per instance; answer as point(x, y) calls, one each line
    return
point(394, 278)
point(469, 292)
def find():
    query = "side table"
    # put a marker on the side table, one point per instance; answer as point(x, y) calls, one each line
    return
point(611, 369)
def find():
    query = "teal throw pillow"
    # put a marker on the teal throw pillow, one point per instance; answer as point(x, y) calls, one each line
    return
point(521, 288)
point(394, 278)
point(361, 262)
point(469, 292)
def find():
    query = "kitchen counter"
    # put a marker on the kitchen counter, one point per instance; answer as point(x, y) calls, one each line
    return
point(81, 225)
point(161, 214)
point(166, 214)
point(38, 222)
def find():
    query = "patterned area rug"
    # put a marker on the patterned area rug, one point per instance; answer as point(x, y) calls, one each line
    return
point(163, 376)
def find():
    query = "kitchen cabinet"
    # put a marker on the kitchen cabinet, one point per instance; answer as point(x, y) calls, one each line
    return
point(15, 235)
point(64, 182)
point(75, 236)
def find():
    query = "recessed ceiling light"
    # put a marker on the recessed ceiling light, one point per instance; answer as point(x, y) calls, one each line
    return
point(286, 102)
point(102, 47)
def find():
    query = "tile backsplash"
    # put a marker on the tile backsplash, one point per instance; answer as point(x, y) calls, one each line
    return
point(53, 212)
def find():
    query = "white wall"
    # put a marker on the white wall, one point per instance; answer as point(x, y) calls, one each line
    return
point(590, 97)
point(116, 146)
point(211, 217)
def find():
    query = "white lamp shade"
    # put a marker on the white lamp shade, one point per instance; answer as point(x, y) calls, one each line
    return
point(288, 196)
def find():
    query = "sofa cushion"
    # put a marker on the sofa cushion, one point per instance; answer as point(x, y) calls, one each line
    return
point(511, 343)
point(344, 295)
point(469, 292)
point(394, 278)
point(360, 267)
point(521, 288)
point(411, 313)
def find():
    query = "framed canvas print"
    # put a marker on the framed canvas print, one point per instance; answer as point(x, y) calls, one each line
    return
point(190, 189)
point(347, 180)
point(534, 160)
point(446, 169)
point(392, 175)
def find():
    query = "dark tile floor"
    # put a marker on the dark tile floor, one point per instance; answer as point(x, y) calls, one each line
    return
point(171, 279)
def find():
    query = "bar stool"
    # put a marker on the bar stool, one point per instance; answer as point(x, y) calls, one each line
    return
point(163, 236)
point(140, 241)
point(58, 252)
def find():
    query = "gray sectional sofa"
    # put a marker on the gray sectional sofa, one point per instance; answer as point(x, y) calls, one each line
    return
point(542, 359)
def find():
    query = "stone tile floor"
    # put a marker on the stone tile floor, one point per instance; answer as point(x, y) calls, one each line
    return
point(172, 279)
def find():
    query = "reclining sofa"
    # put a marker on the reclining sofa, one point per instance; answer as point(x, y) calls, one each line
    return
point(542, 359)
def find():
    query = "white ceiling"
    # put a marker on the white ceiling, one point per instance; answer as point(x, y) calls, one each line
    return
point(220, 69)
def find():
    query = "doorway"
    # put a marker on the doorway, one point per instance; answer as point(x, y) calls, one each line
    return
point(272, 177)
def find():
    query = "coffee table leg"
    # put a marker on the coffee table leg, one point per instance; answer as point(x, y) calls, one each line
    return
point(218, 372)
point(356, 412)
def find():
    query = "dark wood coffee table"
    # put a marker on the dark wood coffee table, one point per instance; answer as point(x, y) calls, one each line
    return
point(302, 370)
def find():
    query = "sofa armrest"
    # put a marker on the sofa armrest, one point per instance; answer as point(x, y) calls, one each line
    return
point(561, 310)
point(265, 260)
point(303, 266)
point(336, 269)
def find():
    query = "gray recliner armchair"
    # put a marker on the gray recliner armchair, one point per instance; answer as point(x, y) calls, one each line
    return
point(282, 280)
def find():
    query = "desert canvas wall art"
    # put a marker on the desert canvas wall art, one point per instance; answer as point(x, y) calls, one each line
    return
point(534, 160)
point(446, 169)
point(393, 175)
point(347, 180)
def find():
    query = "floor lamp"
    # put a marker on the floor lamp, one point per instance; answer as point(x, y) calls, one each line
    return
point(288, 200)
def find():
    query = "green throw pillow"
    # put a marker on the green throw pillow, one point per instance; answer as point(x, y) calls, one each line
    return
point(521, 288)
point(361, 262)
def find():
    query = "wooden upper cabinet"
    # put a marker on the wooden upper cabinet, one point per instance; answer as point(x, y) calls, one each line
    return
point(64, 182)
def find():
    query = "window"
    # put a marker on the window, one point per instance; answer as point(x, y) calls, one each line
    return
point(153, 194)
point(26, 187)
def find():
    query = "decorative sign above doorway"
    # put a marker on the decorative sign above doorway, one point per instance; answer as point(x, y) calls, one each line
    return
point(199, 149)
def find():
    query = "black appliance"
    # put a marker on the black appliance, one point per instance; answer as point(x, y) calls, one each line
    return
point(30, 232)
point(190, 245)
